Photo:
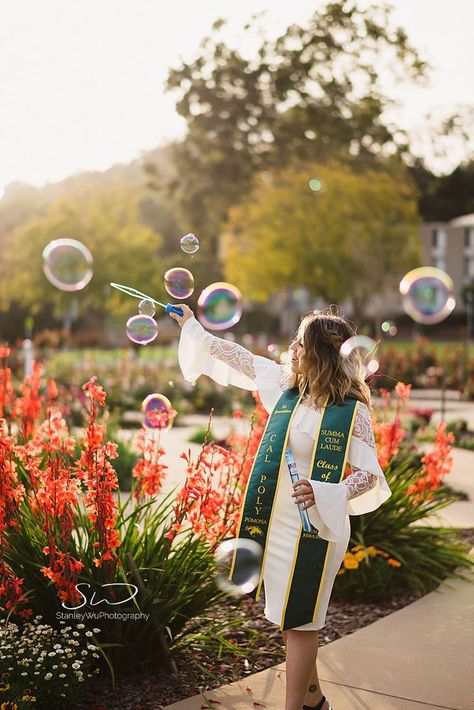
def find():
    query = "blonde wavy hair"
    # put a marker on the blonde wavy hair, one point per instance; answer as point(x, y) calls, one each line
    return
point(324, 372)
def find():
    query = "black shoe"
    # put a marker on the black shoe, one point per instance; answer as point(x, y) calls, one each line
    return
point(316, 707)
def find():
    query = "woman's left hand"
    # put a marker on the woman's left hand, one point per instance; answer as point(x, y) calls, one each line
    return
point(303, 493)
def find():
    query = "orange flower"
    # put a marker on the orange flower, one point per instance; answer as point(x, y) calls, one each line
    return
point(403, 391)
point(394, 563)
point(436, 464)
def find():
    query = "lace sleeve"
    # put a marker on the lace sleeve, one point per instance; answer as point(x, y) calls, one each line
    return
point(361, 481)
point(233, 354)
point(363, 426)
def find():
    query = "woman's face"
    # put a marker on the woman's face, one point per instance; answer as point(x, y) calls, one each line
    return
point(296, 351)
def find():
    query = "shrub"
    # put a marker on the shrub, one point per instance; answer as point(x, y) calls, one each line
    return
point(63, 523)
point(390, 549)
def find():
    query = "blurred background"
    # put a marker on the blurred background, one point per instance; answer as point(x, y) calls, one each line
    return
point(318, 150)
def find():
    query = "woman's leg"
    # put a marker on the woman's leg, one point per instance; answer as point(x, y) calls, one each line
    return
point(313, 692)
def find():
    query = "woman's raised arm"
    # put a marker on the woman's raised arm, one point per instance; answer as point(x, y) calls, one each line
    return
point(234, 355)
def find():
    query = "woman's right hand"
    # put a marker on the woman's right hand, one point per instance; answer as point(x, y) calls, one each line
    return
point(187, 314)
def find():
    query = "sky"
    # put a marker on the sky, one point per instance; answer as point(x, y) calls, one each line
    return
point(81, 81)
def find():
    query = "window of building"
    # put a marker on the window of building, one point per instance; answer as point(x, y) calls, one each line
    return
point(469, 266)
point(469, 237)
point(440, 264)
point(438, 239)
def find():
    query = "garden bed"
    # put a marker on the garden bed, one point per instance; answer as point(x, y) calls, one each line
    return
point(199, 672)
point(152, 691)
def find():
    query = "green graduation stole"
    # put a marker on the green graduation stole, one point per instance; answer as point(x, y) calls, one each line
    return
point(328, 464)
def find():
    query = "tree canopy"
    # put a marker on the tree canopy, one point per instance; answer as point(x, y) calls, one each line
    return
point(352, 239)
point(313, 93)
point(109, 223)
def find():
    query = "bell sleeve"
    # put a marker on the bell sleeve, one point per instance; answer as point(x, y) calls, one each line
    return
point(361, 492)
point(227, 363)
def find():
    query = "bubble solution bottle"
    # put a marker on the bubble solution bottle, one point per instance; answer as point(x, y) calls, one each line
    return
point(290, 460)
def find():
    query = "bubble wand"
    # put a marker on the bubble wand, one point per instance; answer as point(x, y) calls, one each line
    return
point(169, 308)
point(293, 471)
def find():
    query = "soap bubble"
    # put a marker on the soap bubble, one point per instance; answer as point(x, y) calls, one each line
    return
point(67, 264)
point(246, 572)
point(146, 307)
point(427, 294)
point(366, 348)
point(389, 327)
point(142, 329)
point(220, 306)
point(179, 282)
point(315, 185)
point(189, 243)
point(156, 408)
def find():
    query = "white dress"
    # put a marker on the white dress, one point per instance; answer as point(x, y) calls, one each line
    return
point(365, 490)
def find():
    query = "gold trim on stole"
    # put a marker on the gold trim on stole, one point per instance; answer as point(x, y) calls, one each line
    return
point(282, 462)
point(295, 554)
point(234, 557)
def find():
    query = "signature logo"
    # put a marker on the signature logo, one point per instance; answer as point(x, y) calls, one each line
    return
point(99, 601)
point(254, 530)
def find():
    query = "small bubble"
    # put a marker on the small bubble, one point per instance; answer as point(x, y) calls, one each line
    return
point(189, 243)
point(315, 185)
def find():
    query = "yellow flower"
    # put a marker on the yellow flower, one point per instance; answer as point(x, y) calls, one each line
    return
point(361, 555)
point(4, 687)
point(394, 563)
point(30, 698)
point(8, 706)
point(350, 561)
point(342, 571)
point(372, 551)
point(357, 547)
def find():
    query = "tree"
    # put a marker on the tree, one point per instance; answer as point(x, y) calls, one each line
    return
point(445, 197)
point(311, 94)
point(109, 223)
point(352, 239)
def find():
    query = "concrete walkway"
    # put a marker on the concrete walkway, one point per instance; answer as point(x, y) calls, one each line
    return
point(418, 658)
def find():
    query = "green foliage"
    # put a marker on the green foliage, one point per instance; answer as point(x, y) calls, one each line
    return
point(359, 223)
point(426, 554)
point(110, 224)
point(129, 381)
point(178, 579)
point(419, 364)
point(313, 93)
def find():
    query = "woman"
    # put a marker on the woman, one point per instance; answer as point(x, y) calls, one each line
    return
point(321, 381)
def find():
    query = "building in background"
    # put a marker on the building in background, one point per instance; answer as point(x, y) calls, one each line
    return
point(450, 246)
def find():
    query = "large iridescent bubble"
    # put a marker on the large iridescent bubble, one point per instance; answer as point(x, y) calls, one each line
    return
point(67, 264)
point(220, 306)
point(366, 348)
point(142, 329)
point(157, 409)
point(427, 294)
point(179, 282)
point(246, 576)
point(189, 243)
